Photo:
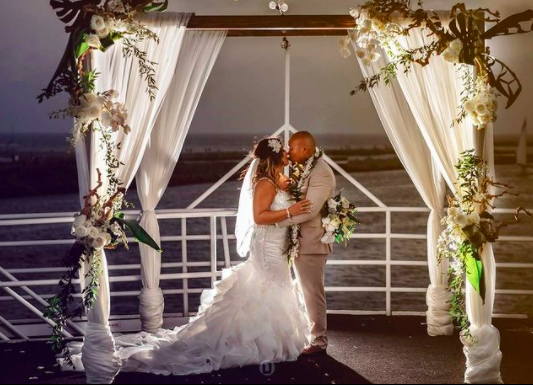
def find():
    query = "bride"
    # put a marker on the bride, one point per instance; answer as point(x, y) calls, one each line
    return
point(254, 314)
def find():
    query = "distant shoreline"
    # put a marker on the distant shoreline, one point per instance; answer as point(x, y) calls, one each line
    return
point(51, 173)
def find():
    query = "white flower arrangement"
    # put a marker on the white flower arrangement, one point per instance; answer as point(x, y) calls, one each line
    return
point(341, 220)
point(98, 108)
point(372, 31)
point(482, 107)
point(275, 145)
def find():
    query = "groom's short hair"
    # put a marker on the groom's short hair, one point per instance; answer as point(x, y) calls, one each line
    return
point(307, 137)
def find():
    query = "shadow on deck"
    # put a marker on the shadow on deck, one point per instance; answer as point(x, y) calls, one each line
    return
point(362, 350)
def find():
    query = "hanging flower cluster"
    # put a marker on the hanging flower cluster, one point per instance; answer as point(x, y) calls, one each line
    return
point(482, 107)
point(373, 30)
point(381, 23)
point(98, 110)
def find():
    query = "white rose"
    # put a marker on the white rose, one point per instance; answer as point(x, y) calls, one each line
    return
point(98, 242)
point(481, 109)
point(484, 119)
point(456, 45)
point(93, 232)
point(79, 220)
point(361, 53)
point(93, 41)
point(354, 12)
point(461, 220)
point(103, 33)
point(371, 46)
point(469, 106)
point(81, 231)
point(106, 118)
point(474, 218)
point(453, 211)
point(326, 221)
point(97, 23)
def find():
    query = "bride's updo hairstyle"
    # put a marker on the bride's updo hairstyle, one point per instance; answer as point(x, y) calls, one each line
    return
point(269, 152)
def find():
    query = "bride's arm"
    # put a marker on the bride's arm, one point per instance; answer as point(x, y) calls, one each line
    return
point(264, 195)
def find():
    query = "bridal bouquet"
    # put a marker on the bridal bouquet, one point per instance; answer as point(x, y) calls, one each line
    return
point(340, 220)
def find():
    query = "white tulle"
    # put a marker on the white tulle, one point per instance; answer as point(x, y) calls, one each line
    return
point(245, 221)
point(254, 315)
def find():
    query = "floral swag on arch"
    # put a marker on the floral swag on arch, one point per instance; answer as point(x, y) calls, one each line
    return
point(469, 224)
point(97, 25)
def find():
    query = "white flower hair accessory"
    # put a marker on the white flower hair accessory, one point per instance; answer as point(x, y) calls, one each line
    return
point(275, 145)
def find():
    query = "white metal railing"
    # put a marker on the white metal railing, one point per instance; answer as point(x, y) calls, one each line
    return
point(8, 281)
point(212, 263)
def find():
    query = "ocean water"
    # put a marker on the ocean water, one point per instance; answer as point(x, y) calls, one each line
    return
point(394, 188)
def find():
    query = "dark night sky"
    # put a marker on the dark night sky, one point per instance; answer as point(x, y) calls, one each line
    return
point(245, 91)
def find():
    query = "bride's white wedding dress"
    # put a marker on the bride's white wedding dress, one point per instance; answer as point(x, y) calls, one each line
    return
point(252, 316)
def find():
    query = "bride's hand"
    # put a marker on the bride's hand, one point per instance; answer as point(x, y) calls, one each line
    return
point(302, 207)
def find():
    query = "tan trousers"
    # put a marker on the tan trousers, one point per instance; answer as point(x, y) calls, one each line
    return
point(310, 271)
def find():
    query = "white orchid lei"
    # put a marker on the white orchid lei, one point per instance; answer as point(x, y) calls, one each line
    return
point(299, 175)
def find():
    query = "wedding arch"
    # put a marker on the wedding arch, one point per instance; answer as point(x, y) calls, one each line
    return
point(146, 142)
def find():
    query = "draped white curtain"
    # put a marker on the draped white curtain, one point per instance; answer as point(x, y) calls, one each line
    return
point(402, 130)
point(197, 57)
point(433, 94)
point(122, 74)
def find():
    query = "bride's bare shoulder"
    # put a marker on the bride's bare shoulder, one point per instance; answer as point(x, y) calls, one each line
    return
point(265, 185)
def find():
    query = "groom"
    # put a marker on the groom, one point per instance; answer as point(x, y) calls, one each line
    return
point(311, 263)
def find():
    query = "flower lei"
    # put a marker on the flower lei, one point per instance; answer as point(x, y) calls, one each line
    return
point(300, 173)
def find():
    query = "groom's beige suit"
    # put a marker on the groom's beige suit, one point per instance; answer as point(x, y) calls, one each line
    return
point(311, 263)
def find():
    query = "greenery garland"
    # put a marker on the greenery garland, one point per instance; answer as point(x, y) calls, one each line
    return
point(96, 25)
point(469, 225)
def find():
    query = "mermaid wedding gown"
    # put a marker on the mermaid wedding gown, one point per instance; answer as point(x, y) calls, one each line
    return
point(254, 315)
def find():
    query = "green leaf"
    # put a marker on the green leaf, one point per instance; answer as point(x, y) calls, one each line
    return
point(81, 48)
point(474, 270)
point(139, 233)
point(156, 7)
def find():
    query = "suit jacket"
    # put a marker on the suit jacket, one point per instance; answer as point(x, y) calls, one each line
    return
point(318, 188)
